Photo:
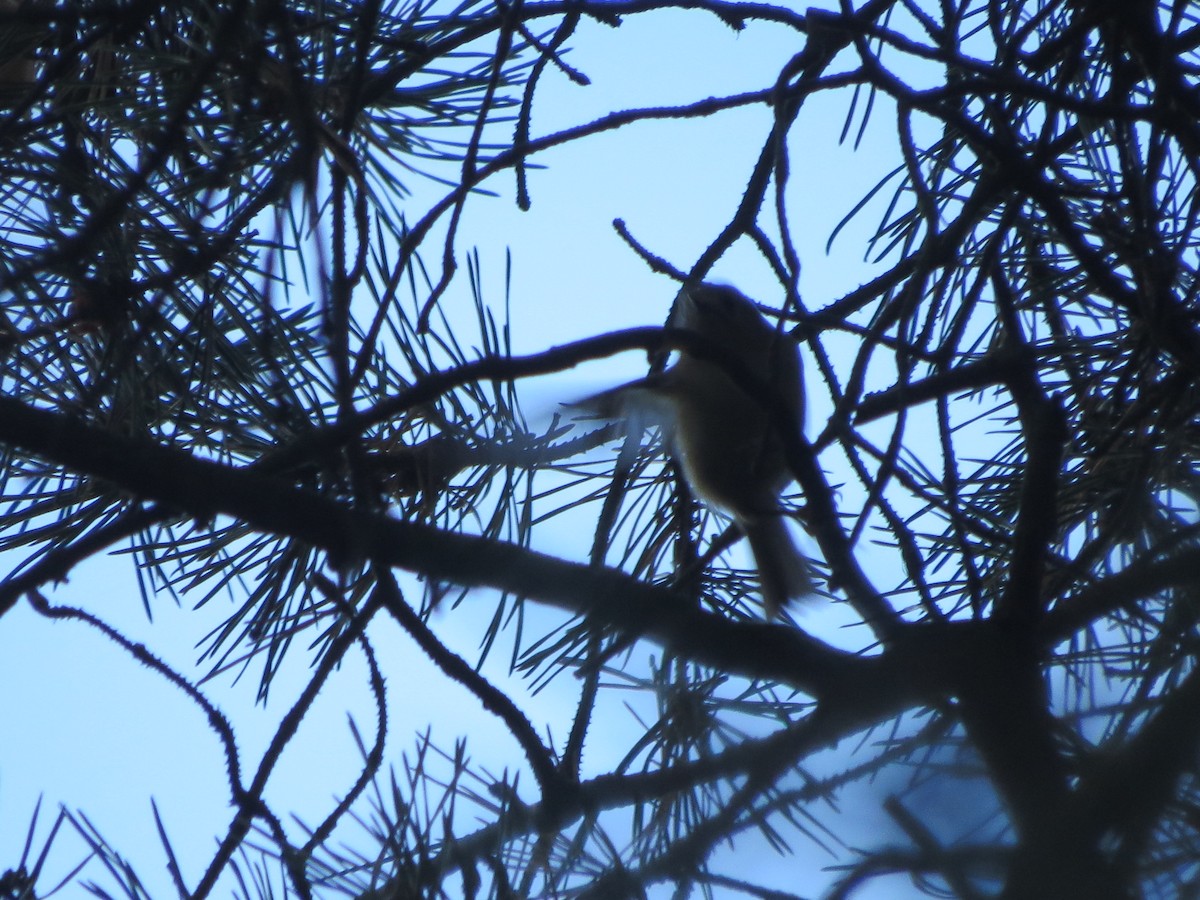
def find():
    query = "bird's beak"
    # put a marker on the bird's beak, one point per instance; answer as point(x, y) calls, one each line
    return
point(683, 312)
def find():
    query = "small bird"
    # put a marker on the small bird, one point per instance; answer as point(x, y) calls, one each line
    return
point(722, 438)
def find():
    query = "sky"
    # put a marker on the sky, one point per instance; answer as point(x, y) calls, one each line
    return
point(100, 733)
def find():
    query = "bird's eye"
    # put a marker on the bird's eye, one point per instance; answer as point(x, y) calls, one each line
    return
point(734, 307)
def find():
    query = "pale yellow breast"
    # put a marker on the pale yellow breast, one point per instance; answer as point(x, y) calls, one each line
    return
point(721, 438)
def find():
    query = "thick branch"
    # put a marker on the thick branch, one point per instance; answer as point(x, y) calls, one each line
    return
point(203, 489)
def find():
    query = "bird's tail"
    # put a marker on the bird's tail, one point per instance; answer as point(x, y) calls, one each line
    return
point(782, 569)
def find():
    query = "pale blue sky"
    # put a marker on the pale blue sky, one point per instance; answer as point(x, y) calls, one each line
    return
point(88, 727)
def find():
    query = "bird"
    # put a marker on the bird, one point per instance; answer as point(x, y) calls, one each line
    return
point(724, 440)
